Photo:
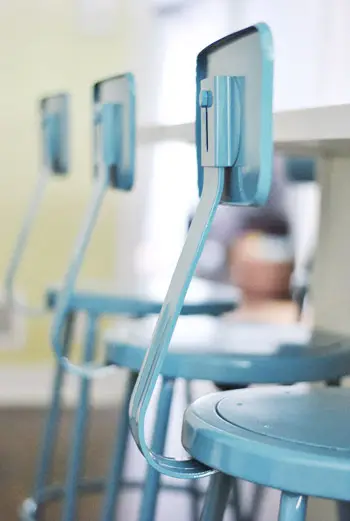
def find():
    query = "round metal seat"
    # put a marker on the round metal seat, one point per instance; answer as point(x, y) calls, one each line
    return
point(204, 348)
point(292, 439)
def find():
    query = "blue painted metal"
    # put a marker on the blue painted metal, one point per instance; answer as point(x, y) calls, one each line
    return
point(110, 118)
point(228, 148)
point(214, 177)
point(282, 438)
point(206, 99)
point(51, 132)
point(204, 348)
point(112, 125)
point(116, 96)
point(54, 493)
point(166, 323)
point(292, 507)
point(152, 481)
point(54, 118)
point(31, 506)
point(54, 414)
point(63, 305)
point(216, 498)
point(75, 461)
point(22, 241)
point(203, 298)
point(253, 61)
point(193, 483)
point(114, 480)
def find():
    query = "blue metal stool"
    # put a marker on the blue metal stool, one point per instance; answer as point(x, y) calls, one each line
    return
point(125, 299)
point(282, 437)
point(55, 162)
point(205, 348)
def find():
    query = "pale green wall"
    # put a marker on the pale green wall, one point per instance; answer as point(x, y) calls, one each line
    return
point(44, 51)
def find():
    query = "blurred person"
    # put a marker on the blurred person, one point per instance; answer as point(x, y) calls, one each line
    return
point(252, 248)
point(229, 221)
point(260, 264)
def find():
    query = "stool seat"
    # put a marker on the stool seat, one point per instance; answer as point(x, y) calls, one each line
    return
point(292, 439)
point(205, 348)
point(146, 297)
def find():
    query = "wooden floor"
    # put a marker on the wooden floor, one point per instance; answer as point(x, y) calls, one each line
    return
point(20, 431)
point(19, 434)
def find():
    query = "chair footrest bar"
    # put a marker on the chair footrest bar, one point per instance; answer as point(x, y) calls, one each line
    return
point(164, 486)
point(56, 492)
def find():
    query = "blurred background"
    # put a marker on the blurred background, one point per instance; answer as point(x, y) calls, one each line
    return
point(54, 45)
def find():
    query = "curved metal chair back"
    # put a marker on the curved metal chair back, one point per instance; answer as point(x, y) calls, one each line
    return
point(55, 162)
point(234, 138)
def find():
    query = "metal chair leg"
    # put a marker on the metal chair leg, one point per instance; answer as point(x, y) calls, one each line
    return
point(115, 475)
point(79, 429)
point(343, 507)
point(152, 481)
point(52, 421)
point(292, 507)
point(193, 485)
point(216, 497)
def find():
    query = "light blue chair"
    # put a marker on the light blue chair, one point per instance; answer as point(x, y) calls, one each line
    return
point(54, 119)
point(114, 124)
point(292, 440)
point(203, 348)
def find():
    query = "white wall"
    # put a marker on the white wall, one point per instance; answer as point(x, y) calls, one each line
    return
point(311, 40)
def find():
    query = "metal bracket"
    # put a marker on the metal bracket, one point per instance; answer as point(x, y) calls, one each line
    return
point(221, 105)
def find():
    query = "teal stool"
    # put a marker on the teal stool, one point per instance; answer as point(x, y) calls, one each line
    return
point(227, 133)
point(282, 438)
point(136, 299)
point(228, 354)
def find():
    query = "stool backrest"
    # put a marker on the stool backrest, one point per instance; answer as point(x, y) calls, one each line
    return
point(54, 121)
point(114, 164)
point(234, 138)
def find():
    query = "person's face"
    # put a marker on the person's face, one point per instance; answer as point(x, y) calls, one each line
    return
point(258, 277)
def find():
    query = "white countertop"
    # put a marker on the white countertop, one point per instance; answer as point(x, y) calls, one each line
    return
point(316, 131)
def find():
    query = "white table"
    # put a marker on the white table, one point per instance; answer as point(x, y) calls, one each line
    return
point(323, 132)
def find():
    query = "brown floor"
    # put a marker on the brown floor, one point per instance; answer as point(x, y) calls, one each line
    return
point(20, 431)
